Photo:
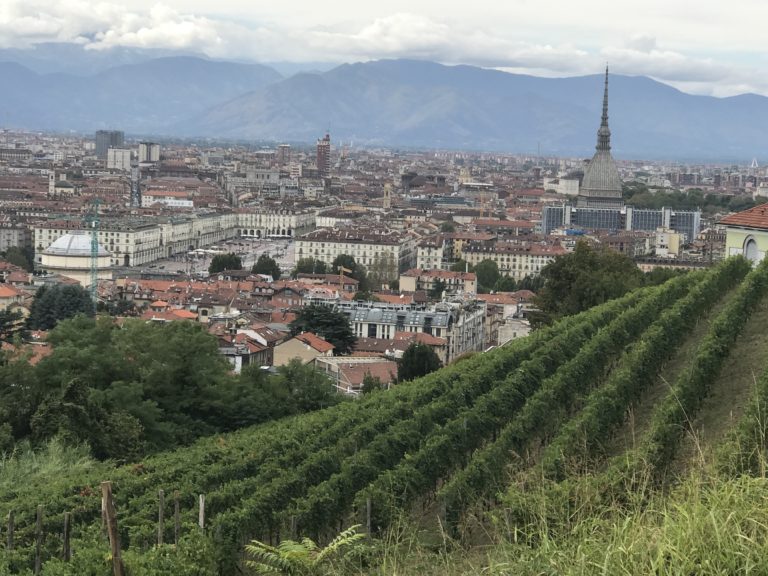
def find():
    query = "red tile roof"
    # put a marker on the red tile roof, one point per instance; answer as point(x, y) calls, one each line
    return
point(315, 342)
point(756, 217)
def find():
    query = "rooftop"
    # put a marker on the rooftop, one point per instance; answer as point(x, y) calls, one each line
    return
point(756, 217)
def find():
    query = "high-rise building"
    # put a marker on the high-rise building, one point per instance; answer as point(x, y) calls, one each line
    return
point(119, 159)
point(324, 156)
point(283, 154)
point(601, 187)
point(149, 152)
point(106, 139)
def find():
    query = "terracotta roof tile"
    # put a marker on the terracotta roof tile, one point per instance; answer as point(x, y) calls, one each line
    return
point(756, 217)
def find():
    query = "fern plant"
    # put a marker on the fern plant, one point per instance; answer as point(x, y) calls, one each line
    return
point(302, 558)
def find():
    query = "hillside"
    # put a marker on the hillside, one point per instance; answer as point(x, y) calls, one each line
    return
point(517, 445)
point(144, 97)
point(424, 104)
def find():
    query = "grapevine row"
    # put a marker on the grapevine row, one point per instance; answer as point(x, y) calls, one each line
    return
point(606, 407)
point(448, 446)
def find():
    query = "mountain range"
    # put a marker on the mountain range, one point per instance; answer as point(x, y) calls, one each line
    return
point(388, 102)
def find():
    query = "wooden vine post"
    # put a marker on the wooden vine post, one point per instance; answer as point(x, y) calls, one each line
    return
point(111, 521)
point(66, 553)
point(10, 531)
point(39, 540)
point(176, 518)
point(160, 516)
point(201, 513)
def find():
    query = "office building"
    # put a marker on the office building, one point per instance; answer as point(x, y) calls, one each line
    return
point(149, 152)
point(106, 139)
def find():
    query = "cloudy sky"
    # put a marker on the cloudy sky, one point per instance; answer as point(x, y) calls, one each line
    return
point(705, 47)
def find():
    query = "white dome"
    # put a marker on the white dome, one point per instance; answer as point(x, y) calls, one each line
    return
point(73, 244)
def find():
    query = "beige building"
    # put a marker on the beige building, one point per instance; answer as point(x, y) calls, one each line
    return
point(306, 347)
point(138, 241)
point(515, 260)
point(266, 222)
point(416, 279)
point(371, 247)
point(668, 243)
point(70, 255)
point(746, 233)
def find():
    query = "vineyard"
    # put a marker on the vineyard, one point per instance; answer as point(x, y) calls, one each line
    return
point(614, 394)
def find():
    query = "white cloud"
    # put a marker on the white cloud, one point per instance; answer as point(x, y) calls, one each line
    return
point(101, 25)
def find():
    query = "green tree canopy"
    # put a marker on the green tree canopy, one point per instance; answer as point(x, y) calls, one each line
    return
point(329, 324)
point(222, 262)
point(309, 266)
point(461, 266)
point(584, 278)
point(505, 284)
point(438, 287)
point(447, 227)
point(418, 360)
point(487, 275)
point(53, 304)
point(359, 272)
point(21, 257)
point(267, 265)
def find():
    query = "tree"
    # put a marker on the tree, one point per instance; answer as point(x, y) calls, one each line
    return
point(532, 283)
point(304, 558)
point(359, 272)
point(447, 227)
point(366, 296)
point(308, 388)
point(53, 304)
point(11, 324)
point(418, 360)
point(585, 278)
point(267, 265)
point(438, 287)
point(371, 383)
point(505, 284)
point(327, 323)
point(309, 266)
point(222, 262)
point(21, 257)
point(461, 266)
point(382, 270)
point(487, 275)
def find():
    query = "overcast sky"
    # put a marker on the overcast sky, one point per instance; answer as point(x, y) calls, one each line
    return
point(705, 47)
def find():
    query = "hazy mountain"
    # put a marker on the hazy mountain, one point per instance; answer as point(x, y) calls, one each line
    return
point(422, 104)
point(387, 102)
point(68, 58)
point(143, 97)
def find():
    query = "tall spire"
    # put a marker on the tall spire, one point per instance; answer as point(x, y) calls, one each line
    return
point(604, 133)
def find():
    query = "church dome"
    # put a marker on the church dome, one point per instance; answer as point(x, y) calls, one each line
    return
point(73, 244)
point(602, 175)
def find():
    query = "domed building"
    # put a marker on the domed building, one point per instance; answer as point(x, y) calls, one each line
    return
point(70, 255)
point(601, 186)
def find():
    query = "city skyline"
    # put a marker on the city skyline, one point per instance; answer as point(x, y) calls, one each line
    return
point(703, 51)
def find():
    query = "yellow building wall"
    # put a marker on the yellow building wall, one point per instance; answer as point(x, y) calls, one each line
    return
point(736, 239)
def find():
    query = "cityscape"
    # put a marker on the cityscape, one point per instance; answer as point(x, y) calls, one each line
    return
point(326, 317)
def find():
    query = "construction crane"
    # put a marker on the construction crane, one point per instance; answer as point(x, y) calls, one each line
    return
point(92, 221)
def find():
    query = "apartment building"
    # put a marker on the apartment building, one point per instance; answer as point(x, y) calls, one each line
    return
point(368, 246)
point(460, 322)
point(514, 259)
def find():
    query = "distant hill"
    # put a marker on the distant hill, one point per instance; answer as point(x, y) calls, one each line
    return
point(423, 104)
point(386, 102)
point(143, 97)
